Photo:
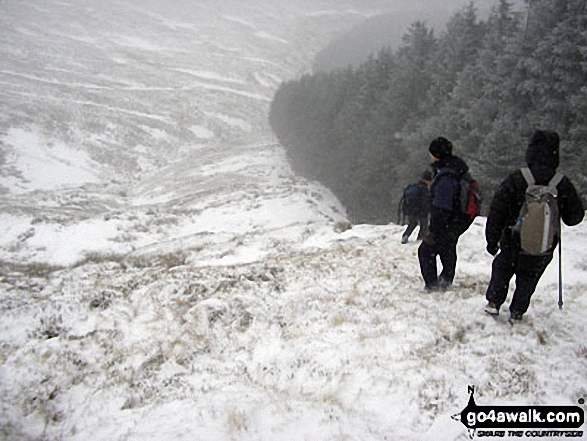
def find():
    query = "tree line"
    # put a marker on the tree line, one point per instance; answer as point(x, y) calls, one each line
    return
point(484, 84)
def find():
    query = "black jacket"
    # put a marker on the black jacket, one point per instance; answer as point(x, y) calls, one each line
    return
point(423, 200)
point(509, 198)
point(445, 213)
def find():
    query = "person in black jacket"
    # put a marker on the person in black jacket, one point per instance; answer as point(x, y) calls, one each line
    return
point(542, 158)
point(447, 222)
point(417, 207)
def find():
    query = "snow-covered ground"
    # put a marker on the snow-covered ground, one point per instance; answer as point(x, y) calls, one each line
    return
point(164, 275)
point(302, 332)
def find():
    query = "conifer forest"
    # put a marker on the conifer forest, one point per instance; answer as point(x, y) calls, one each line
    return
point(484, 84)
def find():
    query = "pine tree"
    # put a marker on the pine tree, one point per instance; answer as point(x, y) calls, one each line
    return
point(457, 48)
point(486, 86)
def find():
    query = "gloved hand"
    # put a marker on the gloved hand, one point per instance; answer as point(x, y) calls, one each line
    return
point(492, 249)
point(430, 239)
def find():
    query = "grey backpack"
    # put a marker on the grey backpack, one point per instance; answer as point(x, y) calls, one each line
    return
point(539, 219)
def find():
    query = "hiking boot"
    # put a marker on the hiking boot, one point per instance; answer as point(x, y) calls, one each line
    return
point(404, 239)
point(492, 309)
point(437, 287)
point(443, 283)
point(515, 317)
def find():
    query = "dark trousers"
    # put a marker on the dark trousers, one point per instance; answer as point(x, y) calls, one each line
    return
point(527, 269)
point(413, 221)
point(445, 247)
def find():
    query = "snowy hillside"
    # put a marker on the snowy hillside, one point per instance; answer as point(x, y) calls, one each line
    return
point(164, 275)
point(321, 335)
point(136, 85)
point(132, 114)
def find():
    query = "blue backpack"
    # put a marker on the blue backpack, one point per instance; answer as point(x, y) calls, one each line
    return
point(411, 200)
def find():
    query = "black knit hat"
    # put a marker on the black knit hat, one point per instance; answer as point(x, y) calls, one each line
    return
point(440, 148)
point(543, 149)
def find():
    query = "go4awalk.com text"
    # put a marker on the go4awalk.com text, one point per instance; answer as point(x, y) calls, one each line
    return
point(522, 421)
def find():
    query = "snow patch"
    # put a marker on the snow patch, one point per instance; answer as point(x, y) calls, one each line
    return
point(202, 132)
point(143, 44)
point(239, 21)
point(207, 75)
point(268, 36)
point(41, 164)
point(231, 121)
point(67, 244)
point(335, 12)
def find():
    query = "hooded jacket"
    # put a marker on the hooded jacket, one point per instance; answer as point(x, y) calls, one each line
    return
point(542, 157)
point(445, 211)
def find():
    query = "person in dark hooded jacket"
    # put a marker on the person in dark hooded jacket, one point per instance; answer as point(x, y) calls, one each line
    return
point(417, 208)
point(447, 222)
point(542, 158)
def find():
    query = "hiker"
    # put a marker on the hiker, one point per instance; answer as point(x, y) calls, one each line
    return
point(415, 205)
point(447, 222)
point(542, 158)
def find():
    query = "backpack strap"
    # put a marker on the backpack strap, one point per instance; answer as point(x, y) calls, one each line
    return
point(556, 179)
point(528, 176)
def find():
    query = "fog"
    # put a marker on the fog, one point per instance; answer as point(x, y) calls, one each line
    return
point(165, 275)
point(104, 77)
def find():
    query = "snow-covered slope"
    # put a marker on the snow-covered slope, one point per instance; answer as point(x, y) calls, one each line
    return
point(135, 85)
point(118, 117)
point(164, 275)
point(322, 335)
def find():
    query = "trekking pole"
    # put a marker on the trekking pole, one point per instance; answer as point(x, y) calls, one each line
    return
point(560, 270)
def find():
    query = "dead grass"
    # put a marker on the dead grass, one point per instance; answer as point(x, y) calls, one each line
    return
point(33, 269)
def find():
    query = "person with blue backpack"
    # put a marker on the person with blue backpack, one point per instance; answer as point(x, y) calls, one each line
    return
point(523, 224)
point(449, 217)
point(415, 206)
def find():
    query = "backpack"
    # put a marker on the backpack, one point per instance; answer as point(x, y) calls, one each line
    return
point(470, 198)
point(539, 220)
point(411, 200)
